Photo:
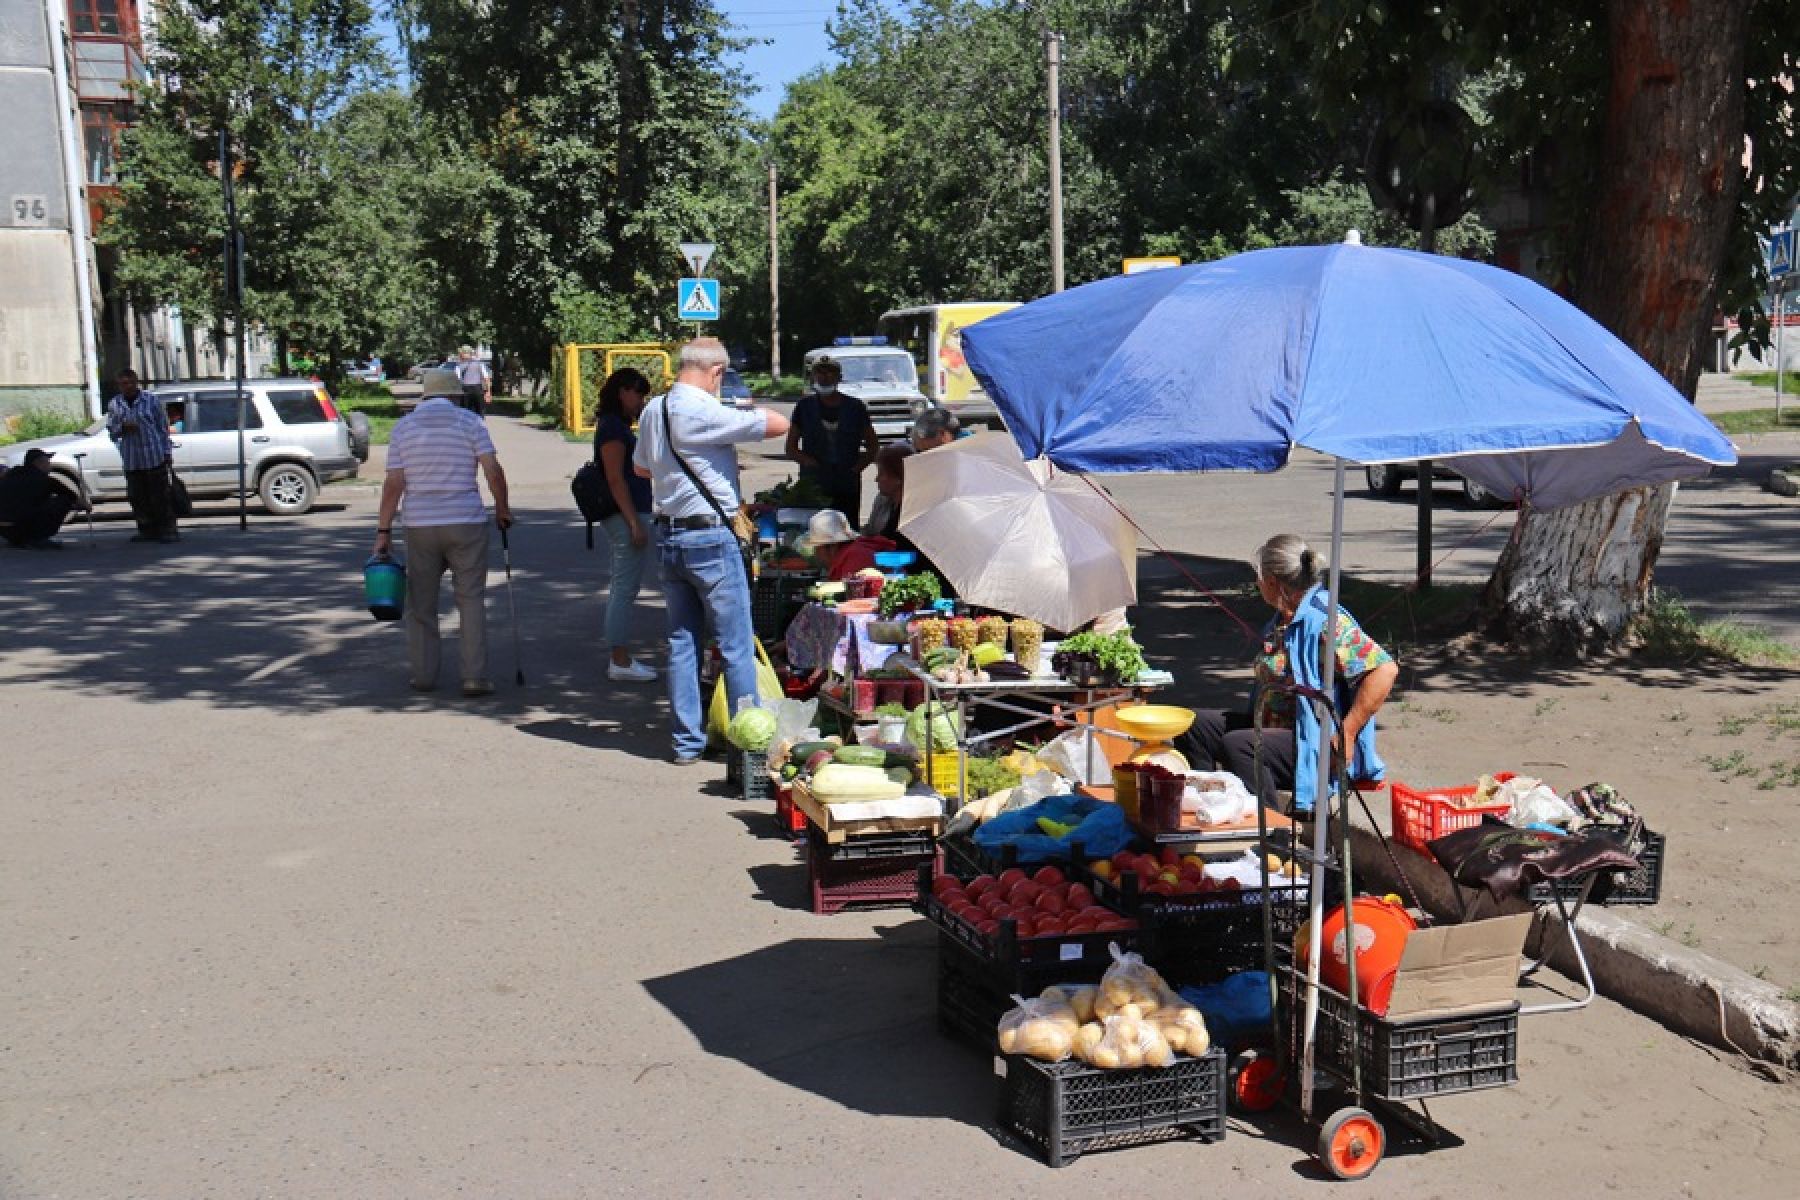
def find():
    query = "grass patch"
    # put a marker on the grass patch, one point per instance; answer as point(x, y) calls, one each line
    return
point(1790, 385)
point(1398, 616)
point(1759, 420)
point(1669, 631)
point(35, 423)
point(788, 387)
point(373, 401)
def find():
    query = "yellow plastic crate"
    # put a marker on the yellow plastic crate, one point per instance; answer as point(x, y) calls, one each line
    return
point(945, 772)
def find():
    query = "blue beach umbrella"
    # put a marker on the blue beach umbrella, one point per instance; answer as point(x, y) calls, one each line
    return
point(1369, 355)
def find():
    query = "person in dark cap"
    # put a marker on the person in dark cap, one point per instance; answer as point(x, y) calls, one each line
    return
point(33, 505)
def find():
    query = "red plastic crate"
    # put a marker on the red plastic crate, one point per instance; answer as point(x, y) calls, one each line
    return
point(1420, 816)
point(836, 882)
point(788, 816)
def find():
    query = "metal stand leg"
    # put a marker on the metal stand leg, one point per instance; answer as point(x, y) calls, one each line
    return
point(1574, 935)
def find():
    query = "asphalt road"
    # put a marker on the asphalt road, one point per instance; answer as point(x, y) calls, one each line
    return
point(278, 927)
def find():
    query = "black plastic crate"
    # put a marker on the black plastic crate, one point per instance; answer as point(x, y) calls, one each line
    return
point(775, 598)
point(1641, 885)
point(964, 859)
point(1415, 1059)
point(917, 844)
point(748, 771)
point(1025, 965)
point(970, 998)
point(1063, 1110)
point(837, 881)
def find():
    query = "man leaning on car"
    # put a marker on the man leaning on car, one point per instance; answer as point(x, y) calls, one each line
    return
point(138, 426)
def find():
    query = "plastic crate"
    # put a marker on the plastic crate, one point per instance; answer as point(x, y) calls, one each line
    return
point(1641, 885)
point(965, 859)
point(1415, 1059)
point(789, 818)
point(775, 597)
point(838, 879)
point(970, 1000)
point(943, 771)
point(748, 771)
point(1025, 965)
point(1422, 816)
point(1063, 1110)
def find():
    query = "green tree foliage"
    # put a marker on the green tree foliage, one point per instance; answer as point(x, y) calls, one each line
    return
point(278, 74)
point(589, 139)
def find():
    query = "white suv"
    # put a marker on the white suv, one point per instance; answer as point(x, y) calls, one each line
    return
point(294, 443)
point(883, 377)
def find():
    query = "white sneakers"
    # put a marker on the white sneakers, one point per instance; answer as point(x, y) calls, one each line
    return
point(632, 672)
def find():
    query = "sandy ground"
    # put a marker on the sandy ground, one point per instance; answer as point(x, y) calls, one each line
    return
point(279, 928)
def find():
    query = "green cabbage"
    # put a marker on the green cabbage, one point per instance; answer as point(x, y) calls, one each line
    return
point(945, 726)
point(752, 729)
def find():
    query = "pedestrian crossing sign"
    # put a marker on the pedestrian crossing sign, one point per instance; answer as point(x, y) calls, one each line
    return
point(1781, 254)
point(697, 300)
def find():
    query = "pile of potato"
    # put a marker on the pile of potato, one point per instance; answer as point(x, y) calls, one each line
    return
point(1131, 1019)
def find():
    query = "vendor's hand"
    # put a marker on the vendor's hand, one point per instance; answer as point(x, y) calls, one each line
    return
point(640, 537)
point(503, 517)
point(383, 541)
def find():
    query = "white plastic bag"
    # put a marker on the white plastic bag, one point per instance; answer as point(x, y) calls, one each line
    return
point(1076, 755)
point(1534, 803)
point(1218, 798)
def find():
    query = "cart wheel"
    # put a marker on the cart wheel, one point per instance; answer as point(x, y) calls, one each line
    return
point(1351, 1143)
point(1256, 1082)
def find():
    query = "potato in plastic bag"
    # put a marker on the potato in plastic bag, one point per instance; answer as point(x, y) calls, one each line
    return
point(1123, 1042)
point(1129, 981)
point(1039, 1028)
point(1184, 1028)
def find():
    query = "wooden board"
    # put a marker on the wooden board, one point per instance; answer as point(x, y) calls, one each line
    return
point(835, 831)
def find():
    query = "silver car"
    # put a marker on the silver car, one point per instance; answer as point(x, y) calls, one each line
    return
point(295, 442)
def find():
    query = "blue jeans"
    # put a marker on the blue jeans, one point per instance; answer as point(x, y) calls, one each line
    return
point(703, 579)
point(626, 578)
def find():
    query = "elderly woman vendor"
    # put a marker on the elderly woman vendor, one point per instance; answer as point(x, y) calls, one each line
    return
point(1288, 573)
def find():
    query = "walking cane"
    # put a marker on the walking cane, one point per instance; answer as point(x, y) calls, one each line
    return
point(87, 505)
point(512, 606)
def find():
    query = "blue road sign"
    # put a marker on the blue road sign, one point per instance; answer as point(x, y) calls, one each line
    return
point(1781, 254)
point(697, 300)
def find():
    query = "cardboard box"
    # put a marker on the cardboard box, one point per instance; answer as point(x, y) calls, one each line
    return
point(1451, 969)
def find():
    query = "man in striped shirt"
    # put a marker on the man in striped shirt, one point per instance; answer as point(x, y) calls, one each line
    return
point(433, 454)
point(137, 424)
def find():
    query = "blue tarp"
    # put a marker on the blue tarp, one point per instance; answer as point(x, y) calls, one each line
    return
point(1369, 354)
point(1100, 829)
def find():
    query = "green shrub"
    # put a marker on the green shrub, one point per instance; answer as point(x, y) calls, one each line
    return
point(36, 423)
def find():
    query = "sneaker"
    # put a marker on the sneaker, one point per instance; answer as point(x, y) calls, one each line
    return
point(473, 688)
point(684, 760)
point(632, 672)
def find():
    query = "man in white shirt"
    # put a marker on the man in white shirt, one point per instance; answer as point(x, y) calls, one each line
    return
point(433, 454)
point(477, 381)
point(687, 449)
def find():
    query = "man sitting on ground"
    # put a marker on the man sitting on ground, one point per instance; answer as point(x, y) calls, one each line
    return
point(33, 505)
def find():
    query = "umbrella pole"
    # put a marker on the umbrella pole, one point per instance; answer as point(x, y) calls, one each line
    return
point(1322, 802)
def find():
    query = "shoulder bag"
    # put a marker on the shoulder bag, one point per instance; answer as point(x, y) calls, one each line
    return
point(746, 549)
point(180, 503)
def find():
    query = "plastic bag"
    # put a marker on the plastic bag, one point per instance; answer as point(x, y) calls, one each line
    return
point(1121, 1042)
point(1237, 1009)
point(1132, 987)
point(1534, 803)
point(1076, 756)
point(1078, 996)
point(768, 687)
point(1039, 1028)
point(794, 720)
point(1099, 828)
point(1218, 798)
point(1183, 1027)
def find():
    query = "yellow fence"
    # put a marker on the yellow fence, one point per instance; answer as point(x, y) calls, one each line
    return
point(582, 378)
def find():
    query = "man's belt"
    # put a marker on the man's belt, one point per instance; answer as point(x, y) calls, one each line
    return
point(709, 521)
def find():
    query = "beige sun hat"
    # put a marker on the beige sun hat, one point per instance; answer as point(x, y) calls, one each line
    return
point(828, 527)
point(440, 382)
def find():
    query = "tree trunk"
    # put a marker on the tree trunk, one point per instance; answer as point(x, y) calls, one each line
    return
point(1670, 166)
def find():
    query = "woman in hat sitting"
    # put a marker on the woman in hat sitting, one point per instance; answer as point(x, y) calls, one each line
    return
point(839, 549)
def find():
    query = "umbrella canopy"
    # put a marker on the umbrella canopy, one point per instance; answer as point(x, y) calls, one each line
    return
point(1021, 537)
point(1367, 354)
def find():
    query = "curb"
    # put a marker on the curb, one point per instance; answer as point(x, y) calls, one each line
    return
point(1691, 993)
point(1784, 481)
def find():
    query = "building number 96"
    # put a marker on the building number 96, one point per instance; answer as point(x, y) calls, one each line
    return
point(30, 210)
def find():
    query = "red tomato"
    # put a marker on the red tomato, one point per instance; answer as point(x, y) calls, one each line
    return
point(1170, 857)
point(1082, 925)
point(1123, 860)
point(979, 886)
point(1049, 926)
point(1011, 876)
point(1027, 927)
point(988, 926)
point(1048, 876)
point(1079, 896)
point(1051, 903)
point(1024, 892)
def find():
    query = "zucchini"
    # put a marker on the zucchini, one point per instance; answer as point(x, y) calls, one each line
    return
point(801, 751)
point(900, 775)
point(860, 756)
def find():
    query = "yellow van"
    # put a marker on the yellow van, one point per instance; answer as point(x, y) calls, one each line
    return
point(932, 334)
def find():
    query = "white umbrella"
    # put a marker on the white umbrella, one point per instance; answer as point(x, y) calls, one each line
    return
point(1022, 537)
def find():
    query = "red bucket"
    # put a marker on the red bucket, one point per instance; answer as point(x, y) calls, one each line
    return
point(1382, 928)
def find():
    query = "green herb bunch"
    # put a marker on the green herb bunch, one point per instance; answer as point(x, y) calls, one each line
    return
point(910, 593)
point(1117, 653)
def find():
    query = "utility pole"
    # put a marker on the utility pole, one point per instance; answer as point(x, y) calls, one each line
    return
point(1053, 49)
point(234, 295)
point(774, 281)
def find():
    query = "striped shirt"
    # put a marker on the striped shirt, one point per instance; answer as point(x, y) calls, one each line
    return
point(148, 446)
point(437, 445)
